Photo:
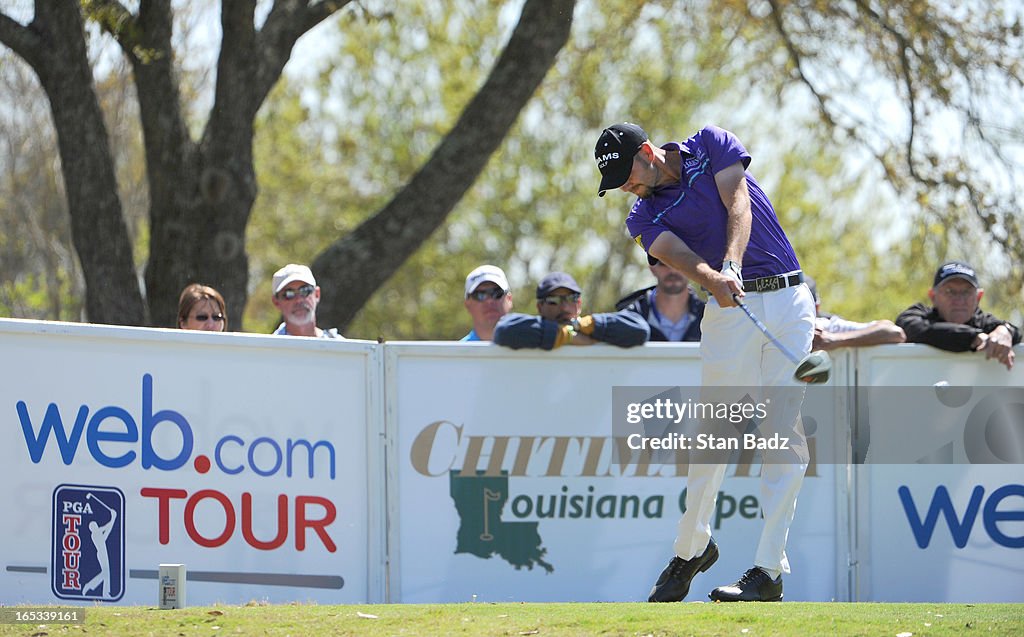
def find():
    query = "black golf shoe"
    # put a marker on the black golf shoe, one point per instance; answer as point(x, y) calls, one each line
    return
point(674, 582)
point(754, 586)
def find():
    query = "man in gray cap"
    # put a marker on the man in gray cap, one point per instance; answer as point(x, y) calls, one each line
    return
point(955, 323)
point(296, 295)
point(559, 302)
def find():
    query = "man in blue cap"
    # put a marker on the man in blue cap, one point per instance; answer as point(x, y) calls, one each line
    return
point(559, 302)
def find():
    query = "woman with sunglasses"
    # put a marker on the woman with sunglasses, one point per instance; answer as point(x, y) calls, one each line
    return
point(202, 308)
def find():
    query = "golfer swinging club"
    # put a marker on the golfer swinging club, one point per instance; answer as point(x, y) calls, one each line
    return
point(700, 212)
point(98, 534)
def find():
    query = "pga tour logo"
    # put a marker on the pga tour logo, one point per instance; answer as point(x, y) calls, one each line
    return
point(87, 560)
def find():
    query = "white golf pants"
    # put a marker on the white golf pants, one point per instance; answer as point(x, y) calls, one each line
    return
point(735, 354)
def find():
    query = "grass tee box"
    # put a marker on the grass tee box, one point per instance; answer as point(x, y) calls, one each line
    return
point(750, 619)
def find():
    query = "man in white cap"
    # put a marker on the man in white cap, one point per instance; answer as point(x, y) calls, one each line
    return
point(296, 295)
point(488, 298)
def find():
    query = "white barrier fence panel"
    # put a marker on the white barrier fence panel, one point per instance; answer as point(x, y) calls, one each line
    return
point(937, 528)
point(504, 487)
point(344, 472)
point(243, 457)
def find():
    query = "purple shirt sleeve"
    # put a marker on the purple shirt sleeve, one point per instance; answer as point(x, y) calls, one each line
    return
point(724, 149)
point(693, 209)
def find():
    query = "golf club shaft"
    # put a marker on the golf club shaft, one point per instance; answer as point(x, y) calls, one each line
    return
point(101, 502)
point(764, 329)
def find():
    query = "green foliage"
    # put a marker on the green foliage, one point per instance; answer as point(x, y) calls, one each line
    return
point(40, 296)
point(39, 276)
point(927, 91)
point(350, 124)
point(377, 110)
point(533, 210)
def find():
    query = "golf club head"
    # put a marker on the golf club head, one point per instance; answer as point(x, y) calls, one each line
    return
point(814, 368)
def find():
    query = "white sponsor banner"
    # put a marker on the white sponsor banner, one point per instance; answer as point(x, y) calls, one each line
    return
point(505, 486)
point(940, 529)
point(259, 463)
point(243, 457)
point(951, 533)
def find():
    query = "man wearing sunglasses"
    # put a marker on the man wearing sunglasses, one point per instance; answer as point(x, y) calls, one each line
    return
point(488, 298)
point(296, 295)
point(559, 302)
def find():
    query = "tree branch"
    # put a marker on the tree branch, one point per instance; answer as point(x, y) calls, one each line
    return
point(233, 91)
point(21, 39)
point(116, 20)
point(163, 126)
point(797, 58)
point(251, 61)
point(356, 265)
point(904, 46)
point(237, 22)
point(287, 22)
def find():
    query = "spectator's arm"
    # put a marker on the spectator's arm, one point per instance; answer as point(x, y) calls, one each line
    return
point(520, 331)
point(919, 328)
point(876, 333)
point(1015, 334)
point(1012, 333)
point(998, 344)
point(624, 329)
point(990, 324)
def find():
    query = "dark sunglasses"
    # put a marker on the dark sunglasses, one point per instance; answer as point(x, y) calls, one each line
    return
point(558, 299)
point(202, 318)
point(291, 293)
point(483, 295)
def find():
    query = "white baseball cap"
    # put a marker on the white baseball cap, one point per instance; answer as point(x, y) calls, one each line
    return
point(491, 273)
point(292, 272)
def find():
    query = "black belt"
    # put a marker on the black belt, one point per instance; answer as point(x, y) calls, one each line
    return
point(771, 283)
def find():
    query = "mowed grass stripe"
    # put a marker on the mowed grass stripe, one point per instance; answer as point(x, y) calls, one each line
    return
point(604, 619)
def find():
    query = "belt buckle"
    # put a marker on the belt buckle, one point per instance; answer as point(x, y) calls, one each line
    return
point(768, 284)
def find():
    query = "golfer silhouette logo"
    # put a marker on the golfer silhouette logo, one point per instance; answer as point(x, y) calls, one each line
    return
point(88, 543)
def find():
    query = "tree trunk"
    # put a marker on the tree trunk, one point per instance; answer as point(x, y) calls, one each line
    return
point(54, 45)
point(201, 195)
point(354, 267)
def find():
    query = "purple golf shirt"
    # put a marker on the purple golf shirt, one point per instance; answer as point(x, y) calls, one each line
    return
point(694, 212)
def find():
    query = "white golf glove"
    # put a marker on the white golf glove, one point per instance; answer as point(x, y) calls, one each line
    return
point(733, 270)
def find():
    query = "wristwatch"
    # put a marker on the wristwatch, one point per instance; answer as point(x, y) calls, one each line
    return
point(734, 266)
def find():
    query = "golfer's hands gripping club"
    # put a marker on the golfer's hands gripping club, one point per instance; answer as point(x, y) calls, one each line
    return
point(725, 286)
